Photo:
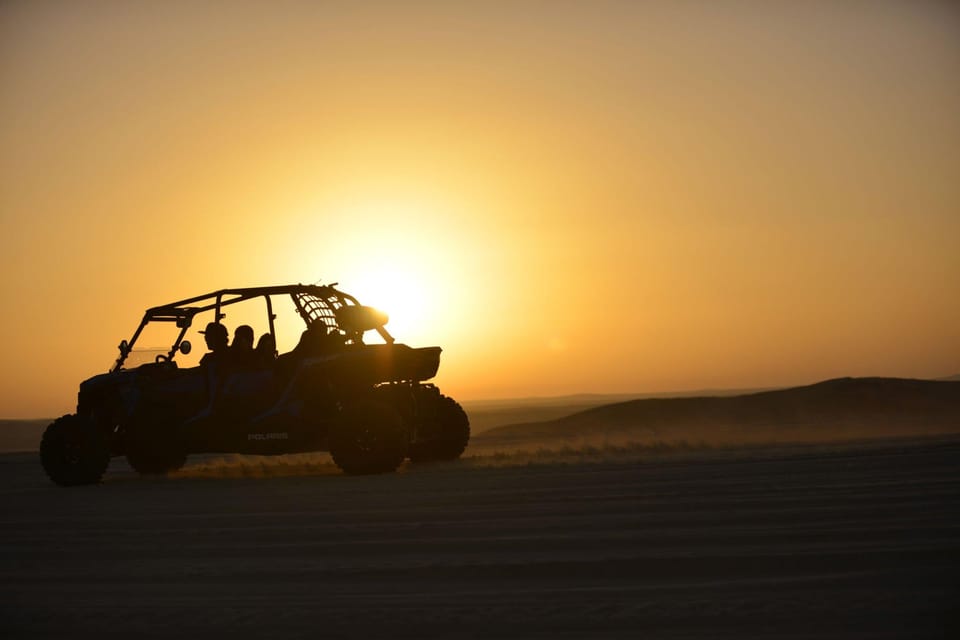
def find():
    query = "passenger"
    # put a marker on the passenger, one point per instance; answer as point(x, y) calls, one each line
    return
point(314, 341)
point(266, 352)
point(318, 340)
point(241, 351)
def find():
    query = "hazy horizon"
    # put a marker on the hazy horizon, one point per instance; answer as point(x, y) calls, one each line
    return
point(568, 198)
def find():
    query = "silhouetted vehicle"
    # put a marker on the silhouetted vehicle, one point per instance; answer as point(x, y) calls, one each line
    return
point(367, 404)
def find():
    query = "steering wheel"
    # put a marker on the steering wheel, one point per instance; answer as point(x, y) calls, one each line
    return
point(161, 358)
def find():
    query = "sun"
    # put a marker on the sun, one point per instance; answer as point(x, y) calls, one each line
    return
point(402, 253)
point(396, 290)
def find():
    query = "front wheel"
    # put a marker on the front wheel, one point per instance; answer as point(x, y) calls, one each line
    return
point(74, 451)
point(367, 438)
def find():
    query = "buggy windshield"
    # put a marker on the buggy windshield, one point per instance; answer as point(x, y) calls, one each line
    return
point(145, 355)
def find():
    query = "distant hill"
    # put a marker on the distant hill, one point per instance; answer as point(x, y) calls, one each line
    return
point(486, 414)
point(595, 399)
point(845, 408)
point(21, 435)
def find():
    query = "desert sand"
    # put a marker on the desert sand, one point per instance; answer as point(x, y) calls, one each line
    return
point(798, 541)
point(781, 514)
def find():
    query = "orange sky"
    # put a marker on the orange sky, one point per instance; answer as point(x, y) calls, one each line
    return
point(568, 197)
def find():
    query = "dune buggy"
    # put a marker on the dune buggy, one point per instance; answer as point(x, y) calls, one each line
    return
point(369, 405)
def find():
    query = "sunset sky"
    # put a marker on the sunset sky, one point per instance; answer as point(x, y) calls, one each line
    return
point(566, 196)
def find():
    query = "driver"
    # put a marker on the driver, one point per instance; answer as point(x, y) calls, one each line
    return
point(217, 339)
point(215, 362)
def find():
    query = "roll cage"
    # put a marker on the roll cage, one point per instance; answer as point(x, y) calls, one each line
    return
point(314, 303)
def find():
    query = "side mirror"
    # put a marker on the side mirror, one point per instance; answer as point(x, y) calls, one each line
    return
point(124, 347)
point(185, 347)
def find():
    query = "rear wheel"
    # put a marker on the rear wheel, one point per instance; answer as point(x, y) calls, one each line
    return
point(443, 432)
point(74, 451)
point(368, 437)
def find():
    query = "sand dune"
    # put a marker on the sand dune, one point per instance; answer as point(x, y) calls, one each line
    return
point(842, 409)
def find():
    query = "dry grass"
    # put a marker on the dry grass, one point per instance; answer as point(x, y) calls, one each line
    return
point(240, 466)
point(533, 453)
point(581, 453)
point(320, 464)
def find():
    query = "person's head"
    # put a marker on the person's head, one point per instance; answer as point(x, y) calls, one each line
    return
point(243, 337)
point(216, 336)
point(267, 344)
